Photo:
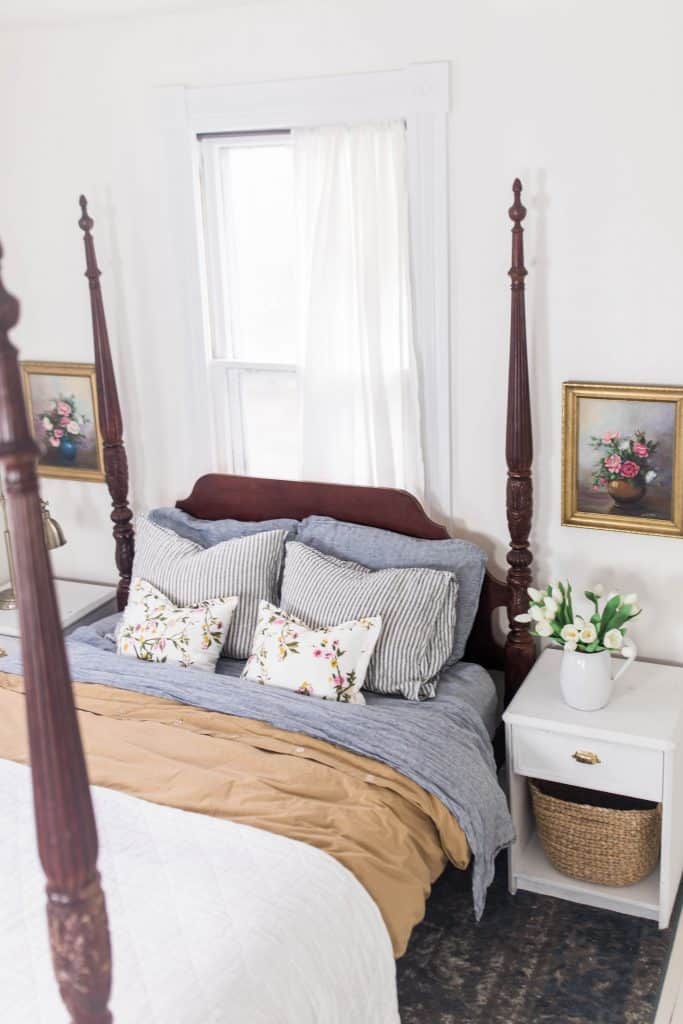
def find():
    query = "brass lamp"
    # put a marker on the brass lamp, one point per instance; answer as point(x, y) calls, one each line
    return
point(52, 535)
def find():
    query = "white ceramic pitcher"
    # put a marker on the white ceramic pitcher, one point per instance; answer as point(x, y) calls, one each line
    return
point(586, 680)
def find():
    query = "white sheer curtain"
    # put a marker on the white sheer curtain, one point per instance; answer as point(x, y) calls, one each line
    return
point(360, 405)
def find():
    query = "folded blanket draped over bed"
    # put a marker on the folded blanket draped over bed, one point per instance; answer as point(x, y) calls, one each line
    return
point(424, 764)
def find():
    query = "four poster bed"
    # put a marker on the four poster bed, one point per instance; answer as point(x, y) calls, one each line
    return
point(168, 728)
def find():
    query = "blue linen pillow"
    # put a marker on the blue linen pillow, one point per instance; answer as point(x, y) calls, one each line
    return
point(208, 532)
point(382, 549)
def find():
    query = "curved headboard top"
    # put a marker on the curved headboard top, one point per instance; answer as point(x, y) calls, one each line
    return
point(226, 496)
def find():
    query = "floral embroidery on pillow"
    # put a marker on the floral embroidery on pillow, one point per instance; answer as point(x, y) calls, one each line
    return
point(155, 629)
point(330, 662)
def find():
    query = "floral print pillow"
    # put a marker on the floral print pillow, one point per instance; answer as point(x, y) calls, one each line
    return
point(154, 629)
point(330, 663)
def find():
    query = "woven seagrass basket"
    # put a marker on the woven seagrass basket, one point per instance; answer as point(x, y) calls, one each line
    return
point(596, 837)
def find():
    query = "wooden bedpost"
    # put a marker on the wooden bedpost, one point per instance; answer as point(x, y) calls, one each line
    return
point(520, 650)
point(65, 822)
point(111, 424)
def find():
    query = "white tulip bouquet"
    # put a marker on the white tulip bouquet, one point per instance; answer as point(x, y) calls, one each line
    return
point(551, 614)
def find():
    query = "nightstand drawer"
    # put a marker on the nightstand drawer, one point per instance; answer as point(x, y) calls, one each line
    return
point(595, 764)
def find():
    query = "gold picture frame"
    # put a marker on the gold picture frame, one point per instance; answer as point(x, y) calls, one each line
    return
point(61, 402)
point(622, 457)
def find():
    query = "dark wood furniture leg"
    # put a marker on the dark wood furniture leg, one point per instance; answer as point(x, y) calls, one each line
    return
point(115, 459)
point(65, 822)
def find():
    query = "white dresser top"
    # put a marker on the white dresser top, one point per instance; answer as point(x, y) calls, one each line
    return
point(75, 600)
point(646, 708)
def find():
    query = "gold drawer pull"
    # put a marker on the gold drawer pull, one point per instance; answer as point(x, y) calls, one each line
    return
point(586, 757)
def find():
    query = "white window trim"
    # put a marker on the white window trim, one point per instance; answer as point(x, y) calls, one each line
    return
point(419, 94)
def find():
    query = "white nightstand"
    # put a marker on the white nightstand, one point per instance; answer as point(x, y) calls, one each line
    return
point(638, 739)
point(79, 603)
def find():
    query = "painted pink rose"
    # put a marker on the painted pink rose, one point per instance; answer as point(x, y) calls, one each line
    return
point(63, 409)
point(641, 449)
point(613, 463)
point(317, 653)
point(630, 469)
point(58, 432)
point(55, 442)
point(610, 435)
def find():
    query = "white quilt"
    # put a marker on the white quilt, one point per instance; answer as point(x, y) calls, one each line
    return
point(211, 922)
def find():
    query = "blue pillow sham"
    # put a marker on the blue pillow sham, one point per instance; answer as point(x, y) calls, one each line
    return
point(209, 532)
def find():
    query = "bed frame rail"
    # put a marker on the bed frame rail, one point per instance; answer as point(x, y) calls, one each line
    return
point(65, 822)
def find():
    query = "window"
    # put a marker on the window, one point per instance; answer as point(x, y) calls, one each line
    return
point(256, 390)
point(249, 236)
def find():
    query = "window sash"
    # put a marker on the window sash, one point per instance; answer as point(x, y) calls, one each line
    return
point(218, 258)
point(225, 369)
point(228, 406)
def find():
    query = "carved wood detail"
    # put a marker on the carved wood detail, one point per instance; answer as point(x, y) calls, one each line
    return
point(65, 822)
point(520, 650)
point(111, 423)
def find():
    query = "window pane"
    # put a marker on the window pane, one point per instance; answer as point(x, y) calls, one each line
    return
point(270, 424)
point(259, 238)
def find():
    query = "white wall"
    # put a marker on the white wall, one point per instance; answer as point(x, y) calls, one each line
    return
point(582, 100)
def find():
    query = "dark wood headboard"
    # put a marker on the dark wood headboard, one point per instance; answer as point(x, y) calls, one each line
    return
point(225, 496)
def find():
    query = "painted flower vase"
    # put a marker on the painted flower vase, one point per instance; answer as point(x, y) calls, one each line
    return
point(67, 450)
point(586, 680)
point(626, 492)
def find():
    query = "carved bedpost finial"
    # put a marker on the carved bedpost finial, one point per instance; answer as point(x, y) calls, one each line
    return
point(517, 211)
point(15, 436)
point(520, 650)
point(111, 424)
point(85, 223)
point(9, 307)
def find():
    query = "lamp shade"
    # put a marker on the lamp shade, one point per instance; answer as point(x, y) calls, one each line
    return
point(52, 531)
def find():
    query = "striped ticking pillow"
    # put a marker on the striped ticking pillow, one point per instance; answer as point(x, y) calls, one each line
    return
point(248, 567)
point(417, 607)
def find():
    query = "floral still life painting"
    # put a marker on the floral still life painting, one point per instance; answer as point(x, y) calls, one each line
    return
point(62, 409)
point(623, 457)
point(625, 466)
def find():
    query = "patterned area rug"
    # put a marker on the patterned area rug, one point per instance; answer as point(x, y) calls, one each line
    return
point(531, 960)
